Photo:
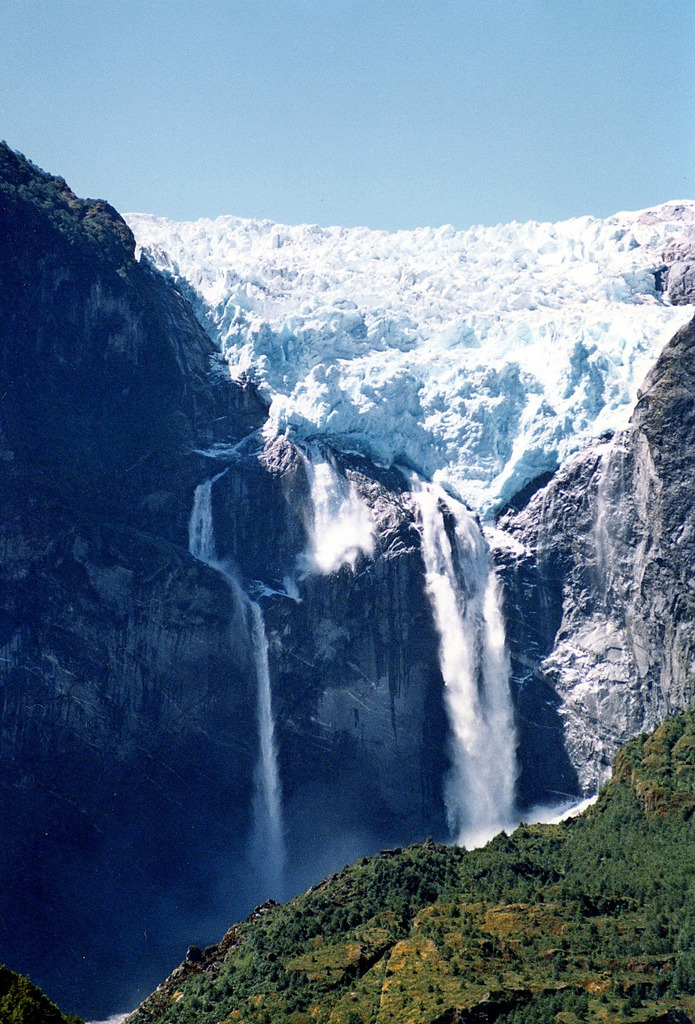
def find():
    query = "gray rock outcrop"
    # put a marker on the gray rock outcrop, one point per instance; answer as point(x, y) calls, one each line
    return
point(676, 278)
point(601, 586)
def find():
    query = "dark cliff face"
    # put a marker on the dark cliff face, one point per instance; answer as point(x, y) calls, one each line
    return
point(353, 657)
point(128, 734)
point(105, 368)
point(600, 597)
point(359, 694)
point(120, 656)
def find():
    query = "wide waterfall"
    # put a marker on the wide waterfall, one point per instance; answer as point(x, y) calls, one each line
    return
point(466, 602)
point(341, 525)
point(268, 844)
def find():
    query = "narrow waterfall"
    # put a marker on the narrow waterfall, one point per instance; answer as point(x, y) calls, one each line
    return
point(341, 526)
point(466, 602)
point(268, 844)
point(268, 839)
point(201, 534)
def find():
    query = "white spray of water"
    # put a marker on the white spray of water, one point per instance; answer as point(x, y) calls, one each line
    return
point(268, 844)
point(341, 526)
point(117, 1018)
point(466, 602)
point(553, 814)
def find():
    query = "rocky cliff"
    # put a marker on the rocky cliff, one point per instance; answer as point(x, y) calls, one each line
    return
point(600, 587)
point(128, 732)
point(115, 651)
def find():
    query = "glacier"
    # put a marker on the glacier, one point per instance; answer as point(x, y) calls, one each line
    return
point(478, 359)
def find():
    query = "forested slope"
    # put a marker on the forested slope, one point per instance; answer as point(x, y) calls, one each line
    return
point(592, 919)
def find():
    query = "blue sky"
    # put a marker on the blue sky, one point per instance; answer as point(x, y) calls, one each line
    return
point(386, 113)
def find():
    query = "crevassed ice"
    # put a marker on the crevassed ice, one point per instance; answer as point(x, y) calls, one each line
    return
point(479, 358)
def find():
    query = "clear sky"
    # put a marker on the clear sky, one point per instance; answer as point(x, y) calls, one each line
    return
point(386, 113)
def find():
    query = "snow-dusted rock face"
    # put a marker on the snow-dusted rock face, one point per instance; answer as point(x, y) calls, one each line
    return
point(481, 358)
point(601, 586)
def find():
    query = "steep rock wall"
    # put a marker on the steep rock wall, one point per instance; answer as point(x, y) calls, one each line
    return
point(353, 655)
point(600, 588)
point(126, 692)
point(128, 733)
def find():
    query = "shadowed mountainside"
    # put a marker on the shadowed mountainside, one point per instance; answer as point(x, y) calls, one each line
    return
point(128, 733)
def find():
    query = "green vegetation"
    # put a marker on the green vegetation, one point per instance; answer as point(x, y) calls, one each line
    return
point(590, 920)
point(24, 1003)
point(25, 186)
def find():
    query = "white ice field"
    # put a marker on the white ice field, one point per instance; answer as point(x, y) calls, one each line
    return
point(477, 358)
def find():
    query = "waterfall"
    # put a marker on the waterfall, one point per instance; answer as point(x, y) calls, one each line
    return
point(465, 596)
point(201, 534)
point(268, 846)
point(341, 525)
point(268, 840)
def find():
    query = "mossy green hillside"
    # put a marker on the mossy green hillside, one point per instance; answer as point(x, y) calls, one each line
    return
point(21, 1002)
point(589, 920)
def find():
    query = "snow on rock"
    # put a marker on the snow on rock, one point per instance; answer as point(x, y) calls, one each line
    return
point(478, 358)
